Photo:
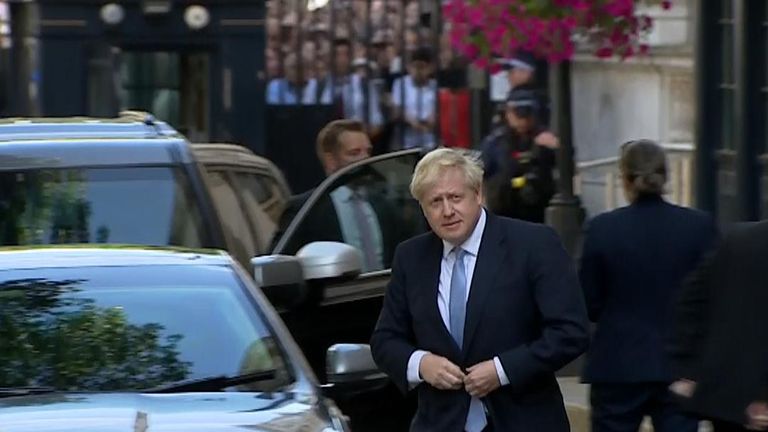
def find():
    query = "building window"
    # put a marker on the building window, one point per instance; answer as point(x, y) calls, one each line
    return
point(150, 81)
point(727, 81)
point(764, 83)
point(5, 25)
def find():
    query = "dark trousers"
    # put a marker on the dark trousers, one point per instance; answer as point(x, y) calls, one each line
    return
point(621, 408)
point(722, 426)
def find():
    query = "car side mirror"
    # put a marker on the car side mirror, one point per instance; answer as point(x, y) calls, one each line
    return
point(330, 260)
point(350, 370)
point(281, 278)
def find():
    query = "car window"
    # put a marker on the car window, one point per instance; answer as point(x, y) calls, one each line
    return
point(134, 205)
point(240, 238)
point(369, 207)
point(264, 191)
point(129, 328)
point(261, 223)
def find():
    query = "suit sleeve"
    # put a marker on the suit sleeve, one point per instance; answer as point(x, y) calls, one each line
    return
point(289, 213)
point(392, 342)
point(591, 273)
point(691, 312)
point(691, 316)
point(563, 317)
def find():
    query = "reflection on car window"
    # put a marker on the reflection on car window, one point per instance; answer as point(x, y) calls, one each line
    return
point(136, 205)
point(262, 224)
point(370, 208)
point(123, 328)
point(259, 186)
point(240, 239)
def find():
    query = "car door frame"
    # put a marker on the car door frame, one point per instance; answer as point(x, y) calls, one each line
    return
point(366, 285)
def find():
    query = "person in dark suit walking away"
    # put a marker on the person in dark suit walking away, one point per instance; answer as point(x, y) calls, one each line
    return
point(719, 350)
point(632, 267)
point(480, 312)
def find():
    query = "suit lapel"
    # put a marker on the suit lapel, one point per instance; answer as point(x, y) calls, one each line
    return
point(490, 257)
point(431, 281)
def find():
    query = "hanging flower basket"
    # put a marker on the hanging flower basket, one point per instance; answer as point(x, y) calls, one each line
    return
point(483, 30)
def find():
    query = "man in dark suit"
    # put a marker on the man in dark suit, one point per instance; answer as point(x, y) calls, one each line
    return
point(350, 212)
point(480, 312)
point(340, 143)
point(632, 267)
point(719, 349)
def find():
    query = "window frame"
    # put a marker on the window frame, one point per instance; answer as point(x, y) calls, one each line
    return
point(332, 182)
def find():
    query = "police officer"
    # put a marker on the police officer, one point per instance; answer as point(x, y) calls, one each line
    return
point(519, 157)
point(518, 71)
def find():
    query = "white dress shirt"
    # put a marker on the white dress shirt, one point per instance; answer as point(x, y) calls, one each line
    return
point(417, 102)
point(350, 89)
point(281, 92)
point(471, 246)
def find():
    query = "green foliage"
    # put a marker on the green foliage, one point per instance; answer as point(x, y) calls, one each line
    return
point(50, 339)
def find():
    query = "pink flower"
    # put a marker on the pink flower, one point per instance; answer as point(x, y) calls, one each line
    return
point(604, 52)
point(476, 17)
point(618, 8)
point(481, 29)
point(470, 51)
point(482, 62)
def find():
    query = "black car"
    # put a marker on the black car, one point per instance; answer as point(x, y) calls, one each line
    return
point(134, 339)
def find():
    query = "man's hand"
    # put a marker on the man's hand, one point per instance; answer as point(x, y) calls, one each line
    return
point(441, 373)
point(547, 139)
point(757, 415)
point(683, 387)
point(482, 379)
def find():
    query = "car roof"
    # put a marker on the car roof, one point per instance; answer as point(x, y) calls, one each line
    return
point(224, 153)
point(90, 255)
point(133, 138)
point(234, 154)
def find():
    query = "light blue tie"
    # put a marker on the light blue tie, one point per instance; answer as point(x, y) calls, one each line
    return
point(457, 306)
point(458, 302)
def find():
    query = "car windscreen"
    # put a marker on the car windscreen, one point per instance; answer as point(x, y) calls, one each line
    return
point(131, 205)
point(131, 328)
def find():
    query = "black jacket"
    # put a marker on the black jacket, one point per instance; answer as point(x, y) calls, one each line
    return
point(632, 268)
point(507, 155)
point(524, 307)
point(322, 224)
point(722, 327)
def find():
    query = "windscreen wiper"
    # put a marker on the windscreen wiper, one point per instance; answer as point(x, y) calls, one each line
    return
point(214, 383)
point(6, 392)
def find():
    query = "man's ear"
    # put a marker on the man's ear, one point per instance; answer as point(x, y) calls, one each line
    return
point(327, 161)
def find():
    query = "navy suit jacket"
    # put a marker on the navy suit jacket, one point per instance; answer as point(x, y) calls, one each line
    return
point(524, 306)
point(633, 265)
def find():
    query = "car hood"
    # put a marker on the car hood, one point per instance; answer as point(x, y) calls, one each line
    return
point(128, 412)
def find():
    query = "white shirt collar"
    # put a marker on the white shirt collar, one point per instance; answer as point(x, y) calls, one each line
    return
point(472, 244)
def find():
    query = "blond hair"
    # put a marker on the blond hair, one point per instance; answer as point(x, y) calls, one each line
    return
point(328, 137)
point(434, 163)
